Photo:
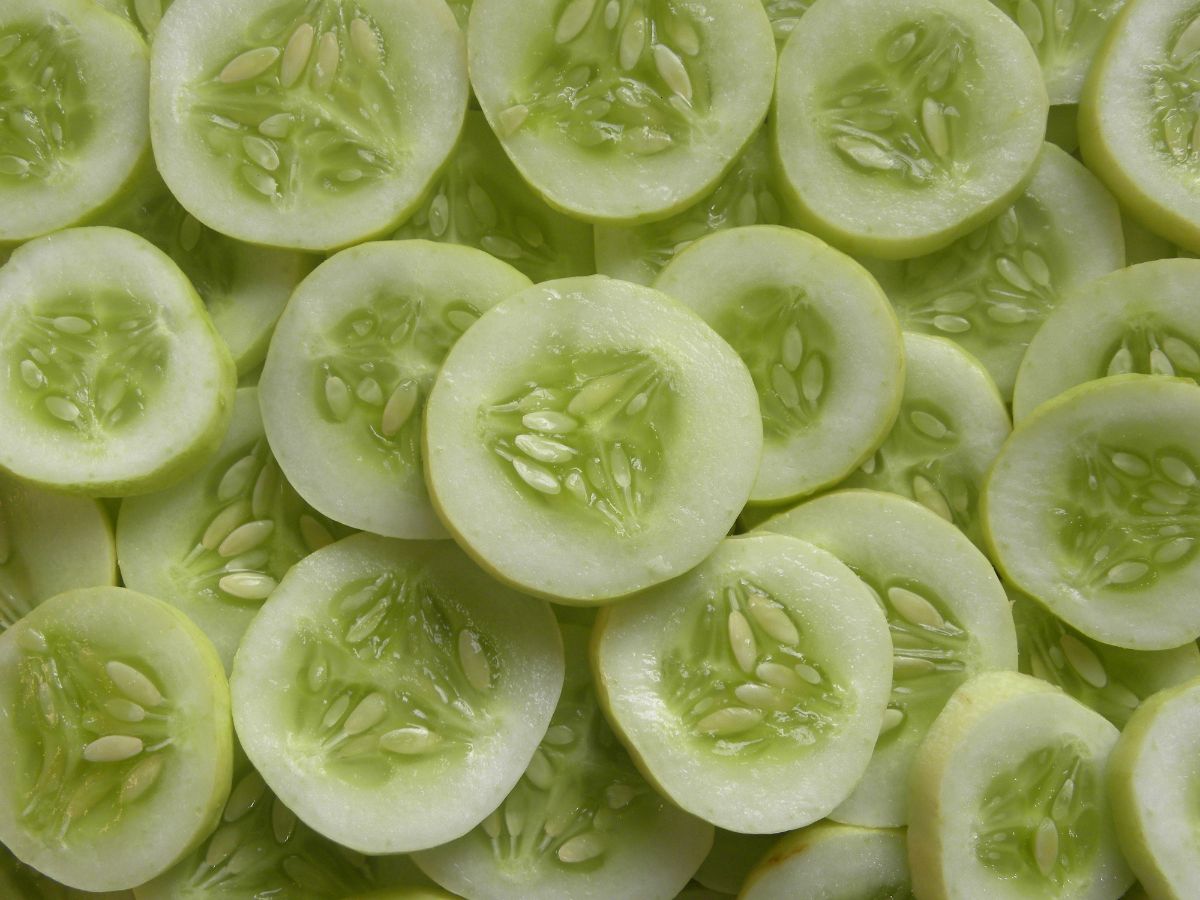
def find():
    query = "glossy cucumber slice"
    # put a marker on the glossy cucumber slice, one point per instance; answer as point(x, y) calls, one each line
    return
point(1008, 798)
point(609, 434)
point(902, 126)
point(828, 861)
point(750, 690)
point(947, 612)
point(117, 734)
point(145, 14)
point(309, 124)
point(819, 339)
point(582, 823)
point(1091, 510)
point(1141, 319)
point(115, 381)
point(990, 291)
point(622, 111)
point(731, 858)
point(73, 126)
point(351, 364)
point(391, 694)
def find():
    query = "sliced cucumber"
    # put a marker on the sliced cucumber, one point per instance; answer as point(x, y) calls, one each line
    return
point(784, 14)
point(1062, 127)
point(391, 694)
point(732, 857)
point(145, 14)
point(1143, 245)
point(350, 365)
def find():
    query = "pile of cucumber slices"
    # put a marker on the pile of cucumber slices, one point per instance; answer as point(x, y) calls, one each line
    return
point(599, 449)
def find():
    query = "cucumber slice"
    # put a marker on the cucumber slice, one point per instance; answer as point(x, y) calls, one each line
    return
point(1143, 245)
point(115, 381)
point(611, 436)
point(350, 365)
point(947, 612)
point(1091, 508)
point(1141, 319)
point(819, 338)
point(582, 823)
point(902, 126)
point(119, 745)
point(73, 126)
point(19, 882)
point(750, 691)
point(145, 14)
point(784, 14)
point(990, 291)
point(1008, 800)
point(305, 125)
point(622, 112)
point(732, 857)
point(391, 694)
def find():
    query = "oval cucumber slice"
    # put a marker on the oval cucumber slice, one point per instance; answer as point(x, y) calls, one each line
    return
point(750, 691)
point(613, 433)
point(819, 339)
point(119, 745)
point(305, 125)
point(391, 694)
point(730, 860)
point(349, 369)
point(115, 381)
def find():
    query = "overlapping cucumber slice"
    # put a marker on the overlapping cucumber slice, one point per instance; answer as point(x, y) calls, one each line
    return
point(391, 694)
point(145, 14)
point(731, 858)
point(784, 14)
point(834, 861)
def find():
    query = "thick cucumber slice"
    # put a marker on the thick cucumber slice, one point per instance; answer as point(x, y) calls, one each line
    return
point(118, 742)
point(751, 690)
point(902, 126)
point(391, 694)
point(1091, 510)
point(73, 126)
point(1008, 799)
point(145, 14)
point(731, 858)
point(610, 436)
point(350, 365)
point(990, 291)
point(1141, 319)
point(819, 338)
point(114, 379)
point(582, 823)
point(304, 123)
point(829, 861)
point(619, 111)
point(947, 612)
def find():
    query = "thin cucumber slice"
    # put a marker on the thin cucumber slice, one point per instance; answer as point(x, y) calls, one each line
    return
point(391, 694)
point(609, 433)
point(819, 339)
point(1008, 798)
point(582, 823)
point(990, 291)
point(1091, 509)
point(751, 690)
point(952, 424)
point(145, 14)
point(217, 544)
point(947, 612)
point(305, 124)
point(480, 201)
point(118, 742)
point(1062, 127)
point(73, 126)
point(115, 381)
point(622, 112)
point(351, 364)
point(732, 857)
point(1141, 319)
point(828, 861)
point(902, 126)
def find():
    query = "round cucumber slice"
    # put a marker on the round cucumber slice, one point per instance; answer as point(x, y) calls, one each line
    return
point(621, 112)
point(115, 381)
point(947, 612)
point(350, 365)
point(819, 339)
point(990, 291)
point(73, 126)
point(607, 433)
point(828, 861)
point(391, 694)
point(732, 857)
point(117, 734)
point(902, 126)
point(1141, 319)
point(751, 690)
point(305, 125)
point(582, 823)
point(1008, 799)
point(1091, 509)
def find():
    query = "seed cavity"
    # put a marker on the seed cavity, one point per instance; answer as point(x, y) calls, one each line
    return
point(914, 608)
point(741, 640)
point(1045, 846)
point(246, 537)
point(369, 713)
point(730, 720)
point(573, 20)
point(581, 848)
point(244, 797)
